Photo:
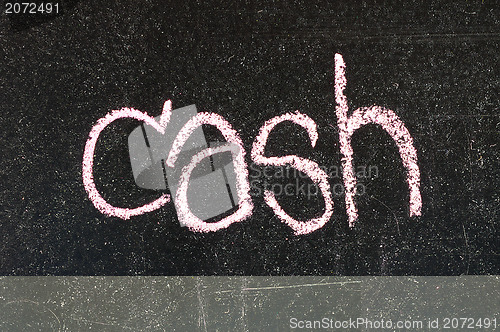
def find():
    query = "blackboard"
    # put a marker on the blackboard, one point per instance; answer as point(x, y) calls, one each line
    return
point(434, 63)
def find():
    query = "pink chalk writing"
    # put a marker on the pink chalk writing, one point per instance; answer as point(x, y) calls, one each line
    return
point(306, 166)
point(381, 116)
point(241, 170)
point(88, 161)
point(390, 122)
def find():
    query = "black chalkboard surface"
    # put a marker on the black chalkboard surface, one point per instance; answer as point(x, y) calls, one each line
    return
point(435, 64)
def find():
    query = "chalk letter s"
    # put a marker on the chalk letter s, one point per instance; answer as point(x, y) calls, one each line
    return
point(304, 165)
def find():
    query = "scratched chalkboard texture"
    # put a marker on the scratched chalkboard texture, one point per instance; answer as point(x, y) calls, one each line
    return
point(243, 303)
point(434, 63)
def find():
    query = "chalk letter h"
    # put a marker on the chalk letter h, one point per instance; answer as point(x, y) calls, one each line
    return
point(390, 122)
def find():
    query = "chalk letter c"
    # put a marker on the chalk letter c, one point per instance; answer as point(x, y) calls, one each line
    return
point(88, 161)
